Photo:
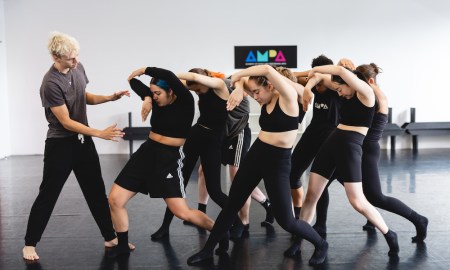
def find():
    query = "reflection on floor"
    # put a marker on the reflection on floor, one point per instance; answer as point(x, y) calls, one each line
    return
point(72, 240)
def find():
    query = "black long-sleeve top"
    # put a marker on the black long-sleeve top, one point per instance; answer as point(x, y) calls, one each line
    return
point(173, 120)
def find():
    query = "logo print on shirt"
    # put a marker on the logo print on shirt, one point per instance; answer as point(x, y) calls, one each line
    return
point(321, 106)
point(169, 176)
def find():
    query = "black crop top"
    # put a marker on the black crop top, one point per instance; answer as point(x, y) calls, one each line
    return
point(376, 129)
point(173, 120)
point(277, 120)
point(354, 113)
point(213, 111)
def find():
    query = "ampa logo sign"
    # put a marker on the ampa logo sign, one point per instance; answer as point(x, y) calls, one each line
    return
point(246, 56)
point(277, 57)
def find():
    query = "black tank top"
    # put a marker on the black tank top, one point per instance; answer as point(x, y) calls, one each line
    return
point(354, 113)
point(376, 129)
point(213, 111)
point(277, 120)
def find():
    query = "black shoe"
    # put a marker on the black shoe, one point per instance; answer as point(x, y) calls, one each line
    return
point(200, 257)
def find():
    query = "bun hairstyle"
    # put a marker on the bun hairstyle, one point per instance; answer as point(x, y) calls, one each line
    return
point(286, 73)
point(205, 72)
point(370, 71)
point(339, 80)
point(262, 80)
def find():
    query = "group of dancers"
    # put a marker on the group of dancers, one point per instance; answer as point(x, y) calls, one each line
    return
point(341, 142)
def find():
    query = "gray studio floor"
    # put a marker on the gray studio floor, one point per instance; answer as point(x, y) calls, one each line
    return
point(72, 240)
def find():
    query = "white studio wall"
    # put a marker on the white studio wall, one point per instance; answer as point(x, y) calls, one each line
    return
point(5, 149)
point(409, 40)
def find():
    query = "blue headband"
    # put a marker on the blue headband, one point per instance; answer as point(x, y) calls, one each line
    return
point(163, 84)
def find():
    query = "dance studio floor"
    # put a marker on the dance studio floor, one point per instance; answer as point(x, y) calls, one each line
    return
point(72, 240)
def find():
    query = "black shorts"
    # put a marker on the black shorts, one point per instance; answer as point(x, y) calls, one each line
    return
point(341, 153)
point(234, 150)
point(154, 169)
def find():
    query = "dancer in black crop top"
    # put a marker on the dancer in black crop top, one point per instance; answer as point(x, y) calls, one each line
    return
point(205, 138)
point(343, 149)
point(268, 159)
point(155, 168)
point(277, 120)
point(371, 155)
point(234, 148)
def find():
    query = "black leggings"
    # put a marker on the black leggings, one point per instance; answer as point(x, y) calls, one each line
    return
point(61, 156)
point(207, 145)
point(371, 182)
point(305, 151)
point(272, 164)
point(371, 187)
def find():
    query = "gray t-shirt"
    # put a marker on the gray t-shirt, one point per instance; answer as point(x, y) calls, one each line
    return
point(70, 89)
point(238, 117)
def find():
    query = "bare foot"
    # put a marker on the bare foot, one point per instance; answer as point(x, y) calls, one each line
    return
point(113, 243)
point(29, 253)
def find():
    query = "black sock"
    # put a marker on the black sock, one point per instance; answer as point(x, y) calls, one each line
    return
point(164, 229)
point(369, 227)
point(265, 203)
point(320, 254)
point(391, 239)
point(202, 207)
point(269, 215)
point(297, 211)
point(421, 224)
point(122, 239)
point(122, 246)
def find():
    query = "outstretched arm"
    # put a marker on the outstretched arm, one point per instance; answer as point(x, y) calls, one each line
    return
point(93, 99)
point(62, 114)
